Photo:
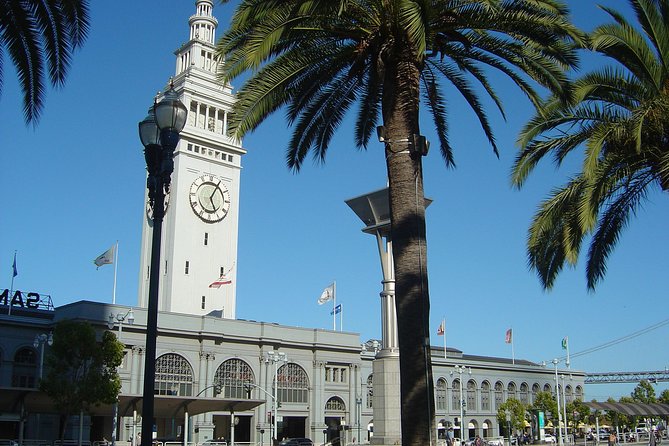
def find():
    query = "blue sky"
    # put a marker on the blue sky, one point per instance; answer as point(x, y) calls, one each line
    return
point(75, 184)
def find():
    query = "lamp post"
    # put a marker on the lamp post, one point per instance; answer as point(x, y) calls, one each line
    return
point(275, 357)
point(114, 319)
point(557, 396)
point(460, 369)
point(39, 341)
point(508, 423)
point(159, 133)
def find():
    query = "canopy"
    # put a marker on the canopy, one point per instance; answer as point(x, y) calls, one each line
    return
point(165, 406)
point(632, 409)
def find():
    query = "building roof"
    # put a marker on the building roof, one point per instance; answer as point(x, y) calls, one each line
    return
point(632, 409)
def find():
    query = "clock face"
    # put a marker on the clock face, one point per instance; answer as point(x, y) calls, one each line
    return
point(149, 208)
point(209, 198)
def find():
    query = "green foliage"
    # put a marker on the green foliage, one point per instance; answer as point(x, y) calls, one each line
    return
point(664, 397)
point(546, 402)
point(644, 393)
point(80, 370)
point(517, 410)
point(620, 116)
point(36, 33)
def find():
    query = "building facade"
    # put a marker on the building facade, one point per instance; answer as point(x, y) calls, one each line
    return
point(307, 382)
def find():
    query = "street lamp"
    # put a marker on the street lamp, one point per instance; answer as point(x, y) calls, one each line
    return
point(39, 341)
point(508, 423)
point(275, 357)
point(159, 133)
point(557, 396)
point(460, 369)
point(114, 319)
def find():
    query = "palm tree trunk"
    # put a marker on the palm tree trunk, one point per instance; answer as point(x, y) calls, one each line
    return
point(407, 207)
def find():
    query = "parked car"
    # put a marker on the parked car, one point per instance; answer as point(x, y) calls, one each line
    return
point(296, 442)
point(548, 438)
point(495, 441)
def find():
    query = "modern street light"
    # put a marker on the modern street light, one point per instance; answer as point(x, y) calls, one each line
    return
point(460, 369)
point(39, 341)
point(159, 133)
point(275, 357)
point(120, 318)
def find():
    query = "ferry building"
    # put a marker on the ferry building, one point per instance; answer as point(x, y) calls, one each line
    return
point(221, 377)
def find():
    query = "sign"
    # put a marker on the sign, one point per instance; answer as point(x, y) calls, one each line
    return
point(29, 301)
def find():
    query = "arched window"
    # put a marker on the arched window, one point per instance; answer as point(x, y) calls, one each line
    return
point(511, 391)
point(547, 388)
point(535, 389)
point(455, 394)
point(568, 393)
point(485, 395)
point(471, 395)
point(370, 391)
point(174, 376)
point(231, 376)
point(293, 384)
point(335, 404)
point(524, 393)
point(441, 390)
point(578, 393)
point(499, 394)
point(25, 368)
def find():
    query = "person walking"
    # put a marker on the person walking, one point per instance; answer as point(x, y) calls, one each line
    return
point(613, 439)
point(652, 440)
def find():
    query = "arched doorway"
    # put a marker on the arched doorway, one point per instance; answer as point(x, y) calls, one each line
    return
point(335, 413)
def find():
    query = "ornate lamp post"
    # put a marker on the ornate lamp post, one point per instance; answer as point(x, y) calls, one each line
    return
point(119, 319)
point(275, 357)
point(159, 133)
point(557, 397)
point(39, 341)
point(460, 369)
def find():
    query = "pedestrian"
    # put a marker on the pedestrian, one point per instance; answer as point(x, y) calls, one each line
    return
point(478, 441)
point(612, 439)
point(651, 439)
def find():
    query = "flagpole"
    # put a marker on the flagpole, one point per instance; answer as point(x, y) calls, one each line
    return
point(567, 343)
point(513, 356)
point(115, 271)
point(334, 305)
point(341, 317)
point(443, 321)
point(11, 287)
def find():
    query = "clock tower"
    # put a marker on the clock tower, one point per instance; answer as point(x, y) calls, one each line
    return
point(199, 235)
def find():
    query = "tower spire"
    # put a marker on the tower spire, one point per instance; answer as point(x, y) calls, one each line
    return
point(198, 52)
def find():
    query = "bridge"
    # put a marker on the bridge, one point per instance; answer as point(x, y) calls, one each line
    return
point(627, 377)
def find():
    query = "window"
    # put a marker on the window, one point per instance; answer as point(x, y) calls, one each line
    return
point(203, 302)
point(441, 394)
point(174, 376)
point(25, 368)
point(485, 396)
point(524, 393)
point(206, 238)
point(471, 395)
point(455, 394)
point(499, 394)
point(370, 391)
point(511, 391)
point(335, 404)
point(186, 267)
point(232, 375)
point(293, 385)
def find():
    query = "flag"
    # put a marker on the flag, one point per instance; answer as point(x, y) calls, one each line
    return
point(326, 295)
point(14, 271)
point(565, 342)
point(336, 310)
point(440, 330)
point(106, 258)
point(509, 336)
point(223, 280)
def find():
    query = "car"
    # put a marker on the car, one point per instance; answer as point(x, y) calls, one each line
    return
point(296, 442)
point(548, 438)
point(470, 442)
point(495, 441)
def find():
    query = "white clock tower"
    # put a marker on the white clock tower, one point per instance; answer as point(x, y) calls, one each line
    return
point(199, 239)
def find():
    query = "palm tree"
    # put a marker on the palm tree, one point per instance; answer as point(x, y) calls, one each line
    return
point(36, 33)
point(320, 57)
point(621, 116)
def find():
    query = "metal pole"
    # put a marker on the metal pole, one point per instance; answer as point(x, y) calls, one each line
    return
point(557, 396)
point(275, 403)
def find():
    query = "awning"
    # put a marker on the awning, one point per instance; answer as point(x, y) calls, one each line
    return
point(632, 409)
point(165, 406)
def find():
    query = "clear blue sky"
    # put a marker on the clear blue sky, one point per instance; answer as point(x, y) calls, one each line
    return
point(74, 185)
